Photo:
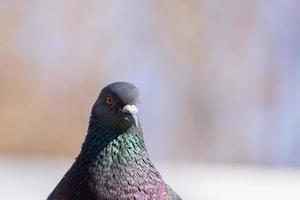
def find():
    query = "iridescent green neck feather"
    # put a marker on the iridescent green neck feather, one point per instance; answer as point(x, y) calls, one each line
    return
point(104, 146)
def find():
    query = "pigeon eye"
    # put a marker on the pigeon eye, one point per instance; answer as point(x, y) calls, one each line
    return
point(110, 101)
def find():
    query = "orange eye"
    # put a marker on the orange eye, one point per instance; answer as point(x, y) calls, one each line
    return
point(110, 101)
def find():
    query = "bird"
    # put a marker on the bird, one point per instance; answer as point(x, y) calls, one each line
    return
point(113, 163)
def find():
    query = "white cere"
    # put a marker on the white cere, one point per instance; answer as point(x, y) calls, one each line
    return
point(130, 109)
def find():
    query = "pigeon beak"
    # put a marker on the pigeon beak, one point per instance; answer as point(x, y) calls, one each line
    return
point(133, 119)
point(131, 112)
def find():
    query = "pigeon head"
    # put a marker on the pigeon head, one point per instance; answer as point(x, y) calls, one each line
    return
point(116, 106)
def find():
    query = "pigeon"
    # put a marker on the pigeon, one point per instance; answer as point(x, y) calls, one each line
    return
point(113, 163)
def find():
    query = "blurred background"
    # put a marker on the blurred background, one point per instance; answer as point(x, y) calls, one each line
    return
point(219, 82)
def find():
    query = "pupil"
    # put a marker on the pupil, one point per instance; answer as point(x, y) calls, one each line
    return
point(109, 100)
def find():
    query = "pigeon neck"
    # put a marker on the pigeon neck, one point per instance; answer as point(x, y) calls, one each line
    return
point(102, 143)
point(119, 164)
